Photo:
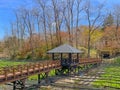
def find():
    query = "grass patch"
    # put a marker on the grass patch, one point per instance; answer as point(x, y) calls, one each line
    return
point(35, 77)
point(5, 63)
point(111, 77)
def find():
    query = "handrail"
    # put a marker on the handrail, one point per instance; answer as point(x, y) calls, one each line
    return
point(90, 60)
point(25, 70)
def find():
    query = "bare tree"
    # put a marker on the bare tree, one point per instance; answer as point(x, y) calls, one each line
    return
point(29, 25)
point(58, 10)
point(17, 28)
point(69, 19)
point(37, 15)
point(42, 5)
point(78, 10)
point(11, 43)
point(50, 25)
point(93, 22)
point(20, 28)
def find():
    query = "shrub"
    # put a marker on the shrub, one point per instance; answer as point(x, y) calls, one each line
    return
point(117, 60)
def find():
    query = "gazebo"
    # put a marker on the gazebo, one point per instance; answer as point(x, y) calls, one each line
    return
point(66, 50)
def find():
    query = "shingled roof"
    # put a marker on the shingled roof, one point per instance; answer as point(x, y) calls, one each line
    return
point(65, 49)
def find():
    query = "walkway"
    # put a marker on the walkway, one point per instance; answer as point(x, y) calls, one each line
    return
point(10, 74)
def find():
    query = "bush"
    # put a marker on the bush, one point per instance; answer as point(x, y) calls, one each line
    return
point(117, 60)
point(20, 57)
point(28, 56)
point(1, 49)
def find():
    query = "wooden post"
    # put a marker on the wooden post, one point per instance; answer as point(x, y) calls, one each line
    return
point(46, 74)
point(38, 78)
point(21, 70)
point(69, 70)
point(39, 67)
point(70, 57)
point(22, 81)
point(77, 57)
point(14, 85)
point(53, 56)
point(78, 69)
point(27, 69)
point(61, 58)
point(5, 73)
point(33, 66)
point(13, 72)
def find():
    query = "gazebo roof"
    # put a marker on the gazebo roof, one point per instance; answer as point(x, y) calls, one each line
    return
point(64, 49)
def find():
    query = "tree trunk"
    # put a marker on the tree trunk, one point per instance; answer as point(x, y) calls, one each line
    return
point(89, 46)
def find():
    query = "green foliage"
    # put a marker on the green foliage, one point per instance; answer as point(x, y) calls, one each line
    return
point(35, 77)
point(52, 73)
point(109, 20)
point(28, 56)
point(117, 60)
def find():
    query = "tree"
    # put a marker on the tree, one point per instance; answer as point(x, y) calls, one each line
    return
point(58, 11)
point(42, 5)
point(64, 15)
point(109, 20)
point(69, 19)
point(50, 27)
point(117, 22)
point(93, 22)
point(78, 10)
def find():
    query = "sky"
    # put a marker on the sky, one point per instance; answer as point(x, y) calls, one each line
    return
point(7, 8)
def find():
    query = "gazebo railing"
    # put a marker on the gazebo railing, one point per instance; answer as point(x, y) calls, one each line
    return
point(74, 61)
point(67, 62)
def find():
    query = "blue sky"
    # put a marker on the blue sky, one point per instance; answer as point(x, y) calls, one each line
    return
point(8, 6)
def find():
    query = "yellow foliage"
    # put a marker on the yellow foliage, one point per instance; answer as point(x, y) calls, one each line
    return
point(94, 36)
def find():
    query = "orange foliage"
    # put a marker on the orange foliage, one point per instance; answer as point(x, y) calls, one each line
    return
point(109, 37)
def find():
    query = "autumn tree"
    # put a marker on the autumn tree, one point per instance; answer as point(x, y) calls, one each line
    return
point(117, 22)
point(49, 23)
